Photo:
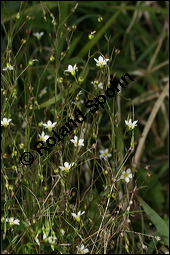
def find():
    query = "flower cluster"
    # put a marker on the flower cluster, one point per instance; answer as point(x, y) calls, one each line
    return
point(101, 62)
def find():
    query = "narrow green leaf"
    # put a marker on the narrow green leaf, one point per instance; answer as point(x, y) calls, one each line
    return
point(63, 12)
point(51, 101)
point(159, 223)
point(145, 8)
point(91, 43)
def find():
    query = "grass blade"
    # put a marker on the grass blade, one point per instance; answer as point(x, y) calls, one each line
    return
point(90, 44)
point(159, 223)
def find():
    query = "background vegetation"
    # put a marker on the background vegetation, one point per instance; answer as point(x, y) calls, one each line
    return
point(119, 217)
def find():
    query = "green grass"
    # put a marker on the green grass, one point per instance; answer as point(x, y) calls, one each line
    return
point(119, 217)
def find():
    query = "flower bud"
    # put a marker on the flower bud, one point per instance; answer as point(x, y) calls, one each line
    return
point(100, 19)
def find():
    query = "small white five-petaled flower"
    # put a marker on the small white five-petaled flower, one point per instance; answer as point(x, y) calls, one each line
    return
point(49, 125)
point(71, 69)
point(51, 239)
point(105, 153)
point(101, 62)
point(5, 122)
point(82, 250)
point(126, 175)
point(38, 35)
point(77, 142)
point(43, 137)
point(8, 67)
point(66, 167)
point(78, 215)
point(12, 221)
point(131, 125)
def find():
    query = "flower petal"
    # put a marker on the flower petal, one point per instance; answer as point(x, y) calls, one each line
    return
point(74, 215)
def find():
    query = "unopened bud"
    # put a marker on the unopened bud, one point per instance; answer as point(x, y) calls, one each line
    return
point(117, 51)
point(100, 19)
point(18, 16)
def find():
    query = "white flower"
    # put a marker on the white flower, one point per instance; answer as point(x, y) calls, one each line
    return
point(44, 236)
point(130, 124)
point(43, 92)
point(12, 221)
point(38, 35)
point(100, 85)
point(126, 175)
point(43, 137)
point(8, 67)
point(37, 240)
point(82, 250)
point(5, 122)
point(49, 125)
point(97, 84)
point(105, 153)
point(51, 239)
point(77, 142)
point(66, 167)
point(77, 216)
point(101, 62)
point(71, 69)
point(157, 238)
